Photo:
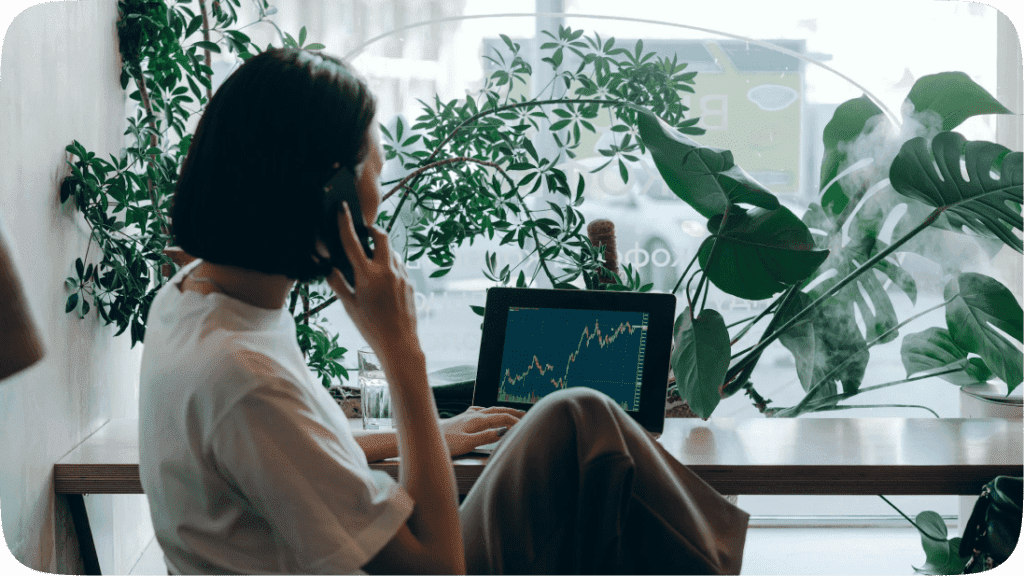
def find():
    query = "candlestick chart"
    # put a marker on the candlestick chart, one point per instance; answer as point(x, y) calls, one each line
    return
point(552, 349)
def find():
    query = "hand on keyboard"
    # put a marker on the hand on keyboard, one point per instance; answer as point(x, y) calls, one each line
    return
point(478, 426)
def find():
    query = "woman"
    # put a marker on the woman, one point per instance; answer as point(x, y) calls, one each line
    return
point(248, 464)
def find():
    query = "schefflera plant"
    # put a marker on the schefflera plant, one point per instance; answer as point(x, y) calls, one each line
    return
point(818, 276)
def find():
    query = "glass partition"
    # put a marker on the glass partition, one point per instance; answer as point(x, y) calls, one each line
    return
point(768, 80)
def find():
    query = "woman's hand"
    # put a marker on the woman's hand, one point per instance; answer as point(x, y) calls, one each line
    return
point(383, 307)
point(478, 426)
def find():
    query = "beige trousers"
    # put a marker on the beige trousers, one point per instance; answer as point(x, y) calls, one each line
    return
point(578, 487)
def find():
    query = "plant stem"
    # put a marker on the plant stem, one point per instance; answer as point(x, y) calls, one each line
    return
point(153, 143)
point(421, 170)
point(912, 523)
point(711, 255)
point(841, 284)
point(756, 320)
point(741, 351)
point(824, 403)
point(853, 406)
point(536, 239)
point(688, 266)
point(738, 322)
point(305, 304)
point(759, 401)
point(206, 37)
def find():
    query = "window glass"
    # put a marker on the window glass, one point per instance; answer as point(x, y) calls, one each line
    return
point(768, 81)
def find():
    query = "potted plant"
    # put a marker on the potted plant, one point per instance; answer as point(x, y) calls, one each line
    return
point(460, 180)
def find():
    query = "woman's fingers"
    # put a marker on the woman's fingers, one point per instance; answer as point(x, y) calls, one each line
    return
point(486, 436)
point(336, 280)
point(381, 243)
point(498, 410)
point(349, 240)
point(483, 421)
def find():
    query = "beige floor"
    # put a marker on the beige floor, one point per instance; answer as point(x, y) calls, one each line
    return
point(874, 551)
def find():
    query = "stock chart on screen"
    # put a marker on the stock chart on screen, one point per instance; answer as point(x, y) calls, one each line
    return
point(549, 349)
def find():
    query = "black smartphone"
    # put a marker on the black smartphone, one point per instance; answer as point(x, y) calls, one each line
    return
point(342, 187)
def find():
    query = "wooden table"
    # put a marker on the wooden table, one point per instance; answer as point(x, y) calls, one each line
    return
point(736, 456)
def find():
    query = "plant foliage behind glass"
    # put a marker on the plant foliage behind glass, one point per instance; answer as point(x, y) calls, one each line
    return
point(472, 163)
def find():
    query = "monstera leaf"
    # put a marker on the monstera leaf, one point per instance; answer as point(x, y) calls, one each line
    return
point(934, 349)
point(954, 97)
point(987, 201)
point(847, 123)
point(823, 340)
point(951, 97)
point(759, 253)
point(978, 306)
point(941, 242)
point(879, 314)
point(705, 178)
point(700, 359)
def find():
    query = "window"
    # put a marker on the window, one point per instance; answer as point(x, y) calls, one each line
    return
point(769, 106)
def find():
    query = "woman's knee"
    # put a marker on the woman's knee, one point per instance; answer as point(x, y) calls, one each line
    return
point(581, 395)
point(573, 403)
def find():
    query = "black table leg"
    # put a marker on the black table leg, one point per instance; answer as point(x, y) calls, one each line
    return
point(85, 542)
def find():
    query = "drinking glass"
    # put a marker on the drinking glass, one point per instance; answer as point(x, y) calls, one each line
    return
point(374, 394)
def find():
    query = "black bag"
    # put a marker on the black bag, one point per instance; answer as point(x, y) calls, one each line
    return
point(991, 533)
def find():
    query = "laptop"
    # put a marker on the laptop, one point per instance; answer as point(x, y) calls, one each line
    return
point(537, 341)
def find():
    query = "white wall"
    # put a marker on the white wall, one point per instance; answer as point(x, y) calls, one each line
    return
point(59, 82)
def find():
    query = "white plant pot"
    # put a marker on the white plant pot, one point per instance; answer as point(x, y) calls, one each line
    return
point(987, 401)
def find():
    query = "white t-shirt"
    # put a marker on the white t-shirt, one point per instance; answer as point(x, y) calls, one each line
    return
point(248, 463)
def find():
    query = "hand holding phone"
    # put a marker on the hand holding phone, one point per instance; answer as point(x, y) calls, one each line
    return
point(342, 187)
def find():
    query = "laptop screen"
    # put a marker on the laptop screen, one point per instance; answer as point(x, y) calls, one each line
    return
point(536, 342)
point(547, 349)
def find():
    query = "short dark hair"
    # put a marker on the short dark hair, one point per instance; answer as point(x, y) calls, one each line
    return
point(250, 191)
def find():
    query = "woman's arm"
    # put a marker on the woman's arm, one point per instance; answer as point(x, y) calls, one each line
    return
point(426, 471)
point(383, 309)
point(377, 444)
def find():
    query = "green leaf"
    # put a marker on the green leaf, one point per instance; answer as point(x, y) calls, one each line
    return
point(559, 125)
point(706, 178)
point(440, 272)
point(848, 122)
point(879, 314)
point(760, 253)
point(980, 305)
point(983, 203)
point(934, 349)
point(314, 46)
point(478, 310)
point(72, 303)
point(941, 556)
point(954, 97)
point(211, 46)
point(194, 25)
point(900, 277)
point(823, 340)
point(700, 359)
point(508, 42)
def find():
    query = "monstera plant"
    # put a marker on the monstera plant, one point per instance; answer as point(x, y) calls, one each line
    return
point(935, 184)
